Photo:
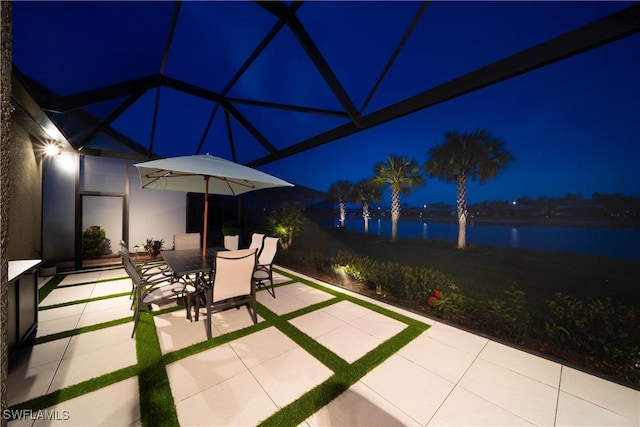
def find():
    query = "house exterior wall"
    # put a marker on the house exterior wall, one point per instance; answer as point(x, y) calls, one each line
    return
point(58, 201)
point(154, 214)
point(107, 188)
point(25, 192)
point(5, 114)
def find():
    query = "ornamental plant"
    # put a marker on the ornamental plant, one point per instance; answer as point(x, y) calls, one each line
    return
point(450, 305)
point(285, 222)
point(153, 247)
point(93, 239)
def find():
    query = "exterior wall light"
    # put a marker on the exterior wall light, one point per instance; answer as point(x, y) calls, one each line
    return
point(52, 149)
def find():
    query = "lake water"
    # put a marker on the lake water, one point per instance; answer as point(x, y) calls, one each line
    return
point(612, 242)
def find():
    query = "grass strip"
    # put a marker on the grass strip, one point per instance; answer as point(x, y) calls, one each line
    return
point(312, 401)
point(49, 286)
point(311, 346)
point(82, 301)
point(76, 390)
point(92, 282)
point(345, 375)
point(82, 330)
point(373, 307)
point(157, 407)
point(213, 342)
point(310, 308)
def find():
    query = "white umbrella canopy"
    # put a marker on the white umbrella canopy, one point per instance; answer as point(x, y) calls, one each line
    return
point(204, 174)
point(188, 173)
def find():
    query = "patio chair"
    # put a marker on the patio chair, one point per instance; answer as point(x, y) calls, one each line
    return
point(148, 290)
point(148, 271)
point(264, 271)
point(148, 267)
point(231, 284)
point(186, 241)
point(231, 242)
point(257, 240)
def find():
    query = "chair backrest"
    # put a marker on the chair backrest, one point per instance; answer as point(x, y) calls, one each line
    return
point(257, 240)
point(130, 268)
point(269, 250)
point(233, 273)
point(231, 242)
point(124, 251)
point(186, 241)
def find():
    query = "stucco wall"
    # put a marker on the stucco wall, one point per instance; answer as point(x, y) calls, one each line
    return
point(155, 214)
point(25, 189)
point(152, 213)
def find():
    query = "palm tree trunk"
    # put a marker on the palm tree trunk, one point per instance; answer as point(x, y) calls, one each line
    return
point(395, 213)
point(461, 182)
point(343, 213)
point(366, 216)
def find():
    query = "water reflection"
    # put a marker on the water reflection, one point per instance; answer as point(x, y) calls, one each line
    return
point(515, 238)
point(620, 243)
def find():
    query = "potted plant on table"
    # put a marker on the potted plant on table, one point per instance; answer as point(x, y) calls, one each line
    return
point(153, 247)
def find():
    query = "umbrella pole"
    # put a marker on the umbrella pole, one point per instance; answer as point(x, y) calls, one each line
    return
point(206, 216)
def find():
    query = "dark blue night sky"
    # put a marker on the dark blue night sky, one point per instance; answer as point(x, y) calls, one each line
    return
point(573, 126)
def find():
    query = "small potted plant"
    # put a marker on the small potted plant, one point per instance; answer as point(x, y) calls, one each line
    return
point(153, 247)
point(231, 234)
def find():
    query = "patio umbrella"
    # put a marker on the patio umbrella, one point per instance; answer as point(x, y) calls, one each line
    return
point(204, 174)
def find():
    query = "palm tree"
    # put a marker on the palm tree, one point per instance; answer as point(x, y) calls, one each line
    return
point(463, 155)
point(341, 192)
point(403, 175)
point(366, 191)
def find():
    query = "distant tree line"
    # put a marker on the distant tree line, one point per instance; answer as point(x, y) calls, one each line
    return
point(570, 205)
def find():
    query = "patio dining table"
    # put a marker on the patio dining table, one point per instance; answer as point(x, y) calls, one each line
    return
point(185, 262)
point(190, 261)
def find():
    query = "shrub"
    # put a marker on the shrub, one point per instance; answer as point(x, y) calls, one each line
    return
point(402, 281)
point(285, 222)
point(230, 228)
point(600, 327)
point(450, 305)
point(314, 260)
point(509, 319)
point(93, 239)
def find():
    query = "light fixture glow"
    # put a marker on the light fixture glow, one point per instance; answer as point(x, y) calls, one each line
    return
point(52, 149)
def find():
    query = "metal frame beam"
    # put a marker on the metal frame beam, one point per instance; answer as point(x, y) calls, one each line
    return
point(606, 30)
point(304, 38)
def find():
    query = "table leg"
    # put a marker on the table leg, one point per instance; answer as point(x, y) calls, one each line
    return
point(208, 295)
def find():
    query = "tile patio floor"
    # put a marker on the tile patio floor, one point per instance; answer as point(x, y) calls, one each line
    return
point(443, 377)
